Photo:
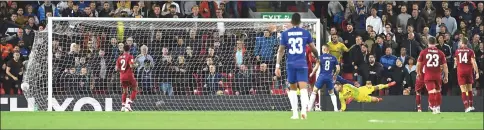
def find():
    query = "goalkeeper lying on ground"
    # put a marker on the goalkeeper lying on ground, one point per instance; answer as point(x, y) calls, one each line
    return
point(348, 92)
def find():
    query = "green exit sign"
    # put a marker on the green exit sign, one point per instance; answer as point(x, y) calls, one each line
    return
point(276, 15)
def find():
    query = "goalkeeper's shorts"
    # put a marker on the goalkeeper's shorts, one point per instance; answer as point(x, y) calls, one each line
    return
point(364, 94)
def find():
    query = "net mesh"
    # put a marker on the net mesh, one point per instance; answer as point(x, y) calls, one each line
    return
point(180, 65)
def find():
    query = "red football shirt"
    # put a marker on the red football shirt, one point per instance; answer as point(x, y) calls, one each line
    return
point(431, 59)
point(123, 64)
point(310, 59)
point(464, 60)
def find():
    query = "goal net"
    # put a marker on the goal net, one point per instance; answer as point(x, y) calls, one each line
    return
point(181, 64)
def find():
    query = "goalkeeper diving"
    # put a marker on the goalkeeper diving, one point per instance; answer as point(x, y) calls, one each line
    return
point(348, 92)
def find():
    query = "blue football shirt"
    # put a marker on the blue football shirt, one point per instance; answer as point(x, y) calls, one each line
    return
point(296, 40)
point(327, 66)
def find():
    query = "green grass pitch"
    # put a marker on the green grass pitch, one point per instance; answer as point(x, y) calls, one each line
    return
point(239, 120)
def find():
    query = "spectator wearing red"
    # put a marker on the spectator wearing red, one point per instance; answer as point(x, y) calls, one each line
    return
point(205, 9)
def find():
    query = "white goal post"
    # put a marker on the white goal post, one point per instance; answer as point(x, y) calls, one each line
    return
point(189, 64)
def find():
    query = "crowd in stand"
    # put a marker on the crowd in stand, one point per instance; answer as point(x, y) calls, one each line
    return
point(388, 36)
point(375, 41)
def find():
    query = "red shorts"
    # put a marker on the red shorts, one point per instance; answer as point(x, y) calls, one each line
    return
point(433, 84)
point(131, 82)
point(464, 79)
point(419, 84)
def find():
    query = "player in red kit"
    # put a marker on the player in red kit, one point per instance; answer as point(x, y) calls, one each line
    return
point(312, 79)
point(432, 61)
point(125, 66)
point(466, 66)
point(419, 86)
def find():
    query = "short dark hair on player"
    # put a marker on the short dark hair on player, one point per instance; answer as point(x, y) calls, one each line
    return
point(126, 48)
point(296, 19)
point(432, 41)
point(337, 83)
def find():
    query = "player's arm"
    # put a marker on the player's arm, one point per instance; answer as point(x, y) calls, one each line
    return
point(336, 72)
point(316, 68)
point(8, 72)
point(444, 67)
point(280, 53)
point(419, 64)
point(344, 81)
point(342, 102)
point(132, 63)
point(474, 66)
point(117, 65)
point(455, 65)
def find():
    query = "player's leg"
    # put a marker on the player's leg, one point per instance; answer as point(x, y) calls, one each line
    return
point(312, 81)
point(432, 95)
point(438, 95)
point(124, 85)
point(292, 93)
point(134, 90)
point(470, 82)
point(332, 95)
point(418, 91)
point(463, 90)
point(314, 93)
point(383, 86)
point(302, 79)
point(376, 99)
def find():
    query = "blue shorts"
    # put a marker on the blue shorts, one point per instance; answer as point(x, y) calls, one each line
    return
point(295, 75)
point(328, 81)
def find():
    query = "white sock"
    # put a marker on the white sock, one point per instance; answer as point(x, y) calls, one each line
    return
point(304, 100)
point(333, 100)
point(311, 101)
point(292, 94)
